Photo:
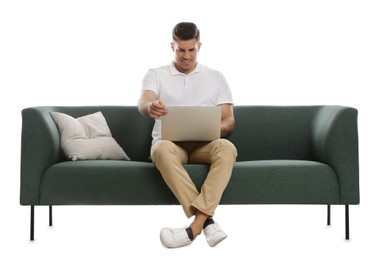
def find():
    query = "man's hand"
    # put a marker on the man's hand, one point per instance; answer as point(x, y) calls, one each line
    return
point(157, 109)
point(149, 105)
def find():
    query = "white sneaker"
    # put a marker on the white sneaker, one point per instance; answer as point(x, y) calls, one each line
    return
point(174, 237)
point(214, 234)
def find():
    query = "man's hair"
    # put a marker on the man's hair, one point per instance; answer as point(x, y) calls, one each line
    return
point(185, 31)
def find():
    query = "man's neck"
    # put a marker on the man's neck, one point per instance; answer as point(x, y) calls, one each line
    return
point(185, 72)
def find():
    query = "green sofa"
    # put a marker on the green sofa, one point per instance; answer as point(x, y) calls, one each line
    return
point(286, 155)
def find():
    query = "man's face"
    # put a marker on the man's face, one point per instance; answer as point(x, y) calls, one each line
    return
point(185, 54)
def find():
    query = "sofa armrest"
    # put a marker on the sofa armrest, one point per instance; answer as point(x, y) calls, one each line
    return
point(335, 142)
point(40, 148)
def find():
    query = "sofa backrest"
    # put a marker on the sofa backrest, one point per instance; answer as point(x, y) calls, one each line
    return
point(130, 129)
point(273, 132)
point(261, 132)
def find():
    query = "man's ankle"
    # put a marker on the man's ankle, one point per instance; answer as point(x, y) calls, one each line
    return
point(196, 230)
point(190, 233)
point(208, 222)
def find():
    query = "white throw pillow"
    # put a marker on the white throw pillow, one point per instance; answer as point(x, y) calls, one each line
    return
point(87, 138)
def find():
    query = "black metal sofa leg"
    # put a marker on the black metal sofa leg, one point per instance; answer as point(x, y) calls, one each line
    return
point(328, 217)
point(50, 216)
point(347, 225)
point(31, 222)
point(347, 228)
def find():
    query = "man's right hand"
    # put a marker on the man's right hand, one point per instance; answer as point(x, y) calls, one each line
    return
point(157, 109)
point(149, 105)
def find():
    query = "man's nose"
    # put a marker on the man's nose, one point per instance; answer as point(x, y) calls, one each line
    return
point(186, 55)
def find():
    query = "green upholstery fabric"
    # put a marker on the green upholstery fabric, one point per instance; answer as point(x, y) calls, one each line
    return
point(263, 133)
point(104, 182)
point(134, 183)
point(282, 182)
point(286, 155)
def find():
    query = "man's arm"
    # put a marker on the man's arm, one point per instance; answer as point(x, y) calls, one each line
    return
point(148, 105)
point(227, 119)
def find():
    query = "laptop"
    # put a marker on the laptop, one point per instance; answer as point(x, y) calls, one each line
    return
point(192, 123)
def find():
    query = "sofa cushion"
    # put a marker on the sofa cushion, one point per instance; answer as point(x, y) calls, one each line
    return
point(87, 137)
point(134, 183)
point(104, 182)
point(282, 182)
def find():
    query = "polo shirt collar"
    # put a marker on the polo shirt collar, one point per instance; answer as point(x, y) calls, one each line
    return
point(174, 71)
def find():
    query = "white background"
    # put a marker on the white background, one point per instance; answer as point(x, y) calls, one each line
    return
point(271, 52)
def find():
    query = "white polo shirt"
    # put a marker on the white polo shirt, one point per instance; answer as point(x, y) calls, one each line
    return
point(202, 87)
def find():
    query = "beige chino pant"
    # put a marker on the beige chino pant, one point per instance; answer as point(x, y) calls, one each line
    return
point(169, 158)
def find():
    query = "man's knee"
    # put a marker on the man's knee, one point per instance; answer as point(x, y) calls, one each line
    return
point(226, 147)
point(163, 145)
point(162, 148)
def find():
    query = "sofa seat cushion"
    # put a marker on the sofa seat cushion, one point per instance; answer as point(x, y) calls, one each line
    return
point(115, 182)
point(109, 182)
point(282, 182)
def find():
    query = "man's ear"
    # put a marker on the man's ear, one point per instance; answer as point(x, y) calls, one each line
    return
point(198, 46)
point(173, 46)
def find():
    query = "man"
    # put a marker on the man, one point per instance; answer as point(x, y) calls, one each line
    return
point(186, 82)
